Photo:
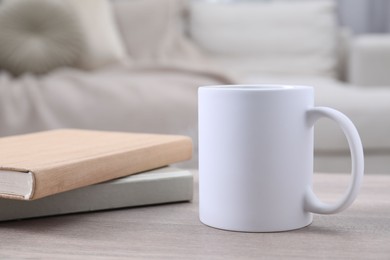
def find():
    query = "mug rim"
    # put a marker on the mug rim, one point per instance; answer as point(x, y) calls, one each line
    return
point(255, 87)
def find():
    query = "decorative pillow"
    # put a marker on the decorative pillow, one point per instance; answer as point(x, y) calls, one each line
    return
point(103, 41)
point(276, 37)
point(38, 36)
point(152, 30)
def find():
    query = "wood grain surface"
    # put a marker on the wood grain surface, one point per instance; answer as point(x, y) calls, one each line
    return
point(173, 231)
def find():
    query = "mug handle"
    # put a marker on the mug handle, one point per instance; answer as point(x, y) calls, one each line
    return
point(311, 202)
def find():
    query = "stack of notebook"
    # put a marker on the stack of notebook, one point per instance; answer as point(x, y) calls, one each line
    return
point(69, 171)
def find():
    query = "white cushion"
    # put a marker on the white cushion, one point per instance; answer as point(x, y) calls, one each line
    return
point(38, 36)
point(103, 42)
point(370, 60)
point(281, 37)
point(152, 30)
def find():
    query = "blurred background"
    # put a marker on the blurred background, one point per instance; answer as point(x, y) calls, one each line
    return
point(365, 16)
point(136, 65)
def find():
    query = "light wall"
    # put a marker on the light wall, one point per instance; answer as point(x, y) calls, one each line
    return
point(365, 16)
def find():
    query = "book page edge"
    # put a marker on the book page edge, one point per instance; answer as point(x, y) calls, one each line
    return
point(25, 192)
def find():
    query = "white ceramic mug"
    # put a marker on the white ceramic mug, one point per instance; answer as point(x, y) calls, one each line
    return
point(256, 157)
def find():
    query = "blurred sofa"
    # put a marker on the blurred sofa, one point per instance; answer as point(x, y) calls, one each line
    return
point(174, 46)
point(300, 42)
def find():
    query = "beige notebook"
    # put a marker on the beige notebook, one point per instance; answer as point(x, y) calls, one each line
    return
point(36, 165)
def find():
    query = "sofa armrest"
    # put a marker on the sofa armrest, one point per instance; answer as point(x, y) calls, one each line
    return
point(369, 63)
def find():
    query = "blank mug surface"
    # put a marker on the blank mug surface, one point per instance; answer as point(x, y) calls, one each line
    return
point(255, 157)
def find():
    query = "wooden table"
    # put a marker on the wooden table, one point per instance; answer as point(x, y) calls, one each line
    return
point(174, 232)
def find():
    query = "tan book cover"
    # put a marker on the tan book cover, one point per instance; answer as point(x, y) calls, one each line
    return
point(36, 165)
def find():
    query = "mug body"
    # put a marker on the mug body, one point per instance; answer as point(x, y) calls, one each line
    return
point(255, 157)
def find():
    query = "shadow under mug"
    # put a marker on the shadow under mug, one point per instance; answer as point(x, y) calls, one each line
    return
point(256, 157)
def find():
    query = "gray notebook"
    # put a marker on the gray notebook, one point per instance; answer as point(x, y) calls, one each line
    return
point(153, 187)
